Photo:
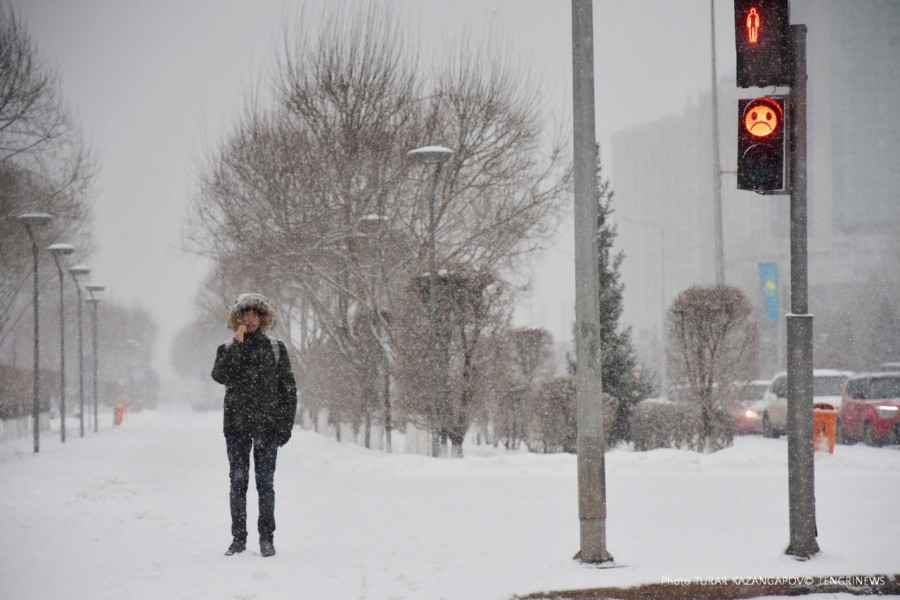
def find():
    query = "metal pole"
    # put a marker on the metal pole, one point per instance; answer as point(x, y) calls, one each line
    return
point(801, 459)
point(95, 302)
point(57, 250)
point(663, 367)
point(717, 168)
point(80, 364)
point(437, 155)
point(62, 356)
point(36, 219)
point(432, 313)
point(589, 389)
point(36, 388)
point(76, 271)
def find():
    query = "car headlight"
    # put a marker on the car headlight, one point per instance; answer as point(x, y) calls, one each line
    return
point(887, 412)
point(751, 414)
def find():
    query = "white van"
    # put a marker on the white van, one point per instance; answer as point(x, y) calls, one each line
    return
point(828, 385)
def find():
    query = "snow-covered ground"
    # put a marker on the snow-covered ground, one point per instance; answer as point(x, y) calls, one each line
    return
point(141, 512)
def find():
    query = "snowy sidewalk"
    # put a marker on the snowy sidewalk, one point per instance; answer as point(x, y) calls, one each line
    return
point(141, 512)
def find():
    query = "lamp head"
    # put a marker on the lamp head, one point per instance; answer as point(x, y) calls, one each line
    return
point(60, 249)
point(35, 219)
point(79, 270)
point(95, 288)
point(430, 154)
point(371, 222)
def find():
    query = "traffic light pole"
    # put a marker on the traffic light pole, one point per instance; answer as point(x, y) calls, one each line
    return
point(801, 460)
point(717, 167)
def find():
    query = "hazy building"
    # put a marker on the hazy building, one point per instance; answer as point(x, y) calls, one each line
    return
point(663, 181)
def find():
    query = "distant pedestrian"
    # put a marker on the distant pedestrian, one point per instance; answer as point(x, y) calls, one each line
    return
point(260, 404)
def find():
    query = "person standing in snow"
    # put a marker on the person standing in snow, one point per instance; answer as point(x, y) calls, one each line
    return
point(260, 404)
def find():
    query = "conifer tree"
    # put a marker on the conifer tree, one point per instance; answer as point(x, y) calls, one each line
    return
point(617, 354)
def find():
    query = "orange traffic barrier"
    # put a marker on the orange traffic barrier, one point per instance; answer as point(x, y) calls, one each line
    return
point(119, 412)
point(824, 424)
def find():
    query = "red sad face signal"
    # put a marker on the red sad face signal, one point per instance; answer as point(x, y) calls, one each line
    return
point(762, 117)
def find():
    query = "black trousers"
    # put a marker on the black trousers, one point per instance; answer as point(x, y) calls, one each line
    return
point(265, 451)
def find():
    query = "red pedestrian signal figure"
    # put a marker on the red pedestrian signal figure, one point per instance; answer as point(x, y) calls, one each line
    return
point(761, 145)
point(762, 42)
point(753, 26)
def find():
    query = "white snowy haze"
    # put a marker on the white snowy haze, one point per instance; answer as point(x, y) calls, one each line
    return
point(140, 511)
point(156, 84)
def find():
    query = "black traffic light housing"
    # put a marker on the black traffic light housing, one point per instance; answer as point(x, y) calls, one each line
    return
point(762, 40)
point(762, 145)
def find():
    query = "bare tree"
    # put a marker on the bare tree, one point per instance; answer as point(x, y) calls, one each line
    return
point(37, 133)
point(533, 353)
point(711, 341)
point(43, 163)
point(472, 312)
point(316, 196)
point(530, 364)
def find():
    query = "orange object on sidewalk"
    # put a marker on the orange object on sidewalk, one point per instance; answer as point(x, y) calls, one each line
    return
point(119, 412)
point(824, 424)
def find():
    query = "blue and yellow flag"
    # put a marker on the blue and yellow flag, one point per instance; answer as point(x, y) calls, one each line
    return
point(768, 277)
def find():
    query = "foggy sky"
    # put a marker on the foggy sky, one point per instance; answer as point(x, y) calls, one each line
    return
point(155, 84)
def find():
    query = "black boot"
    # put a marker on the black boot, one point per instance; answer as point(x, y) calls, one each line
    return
point(235, 547)
point(266, 548)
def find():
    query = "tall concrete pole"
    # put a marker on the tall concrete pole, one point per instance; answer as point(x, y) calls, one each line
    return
point(591, 467)
point(801, 459)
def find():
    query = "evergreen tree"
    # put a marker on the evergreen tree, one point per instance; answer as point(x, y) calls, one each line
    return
point(617, 354)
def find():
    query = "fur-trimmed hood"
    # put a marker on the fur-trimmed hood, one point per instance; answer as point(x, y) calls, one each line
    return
point(257, 303)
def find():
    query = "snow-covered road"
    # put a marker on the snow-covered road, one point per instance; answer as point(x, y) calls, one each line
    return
point(141, 512)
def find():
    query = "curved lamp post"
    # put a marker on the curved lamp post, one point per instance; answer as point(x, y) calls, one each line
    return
point(30, 220)
point(58, 250)
point(76, 272)
point(436, 155)
point(94, 303)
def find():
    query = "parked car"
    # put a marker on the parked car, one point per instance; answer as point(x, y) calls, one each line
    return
point(747, 408)
point(870, 409)
point(828, 385)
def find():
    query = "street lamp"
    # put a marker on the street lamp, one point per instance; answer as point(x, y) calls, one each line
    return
point(30, 220)
point(76, 272)
point(58, 250)
point(94, 303)
point(436, 155)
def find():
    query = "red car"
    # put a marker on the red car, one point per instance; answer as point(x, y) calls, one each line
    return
point(870, 409)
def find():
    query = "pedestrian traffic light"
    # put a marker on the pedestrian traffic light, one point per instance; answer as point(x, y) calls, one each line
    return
point(762, 34)
point(761, 144)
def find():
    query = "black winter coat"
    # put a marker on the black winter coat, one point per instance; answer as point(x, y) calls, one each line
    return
point(260, 397)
